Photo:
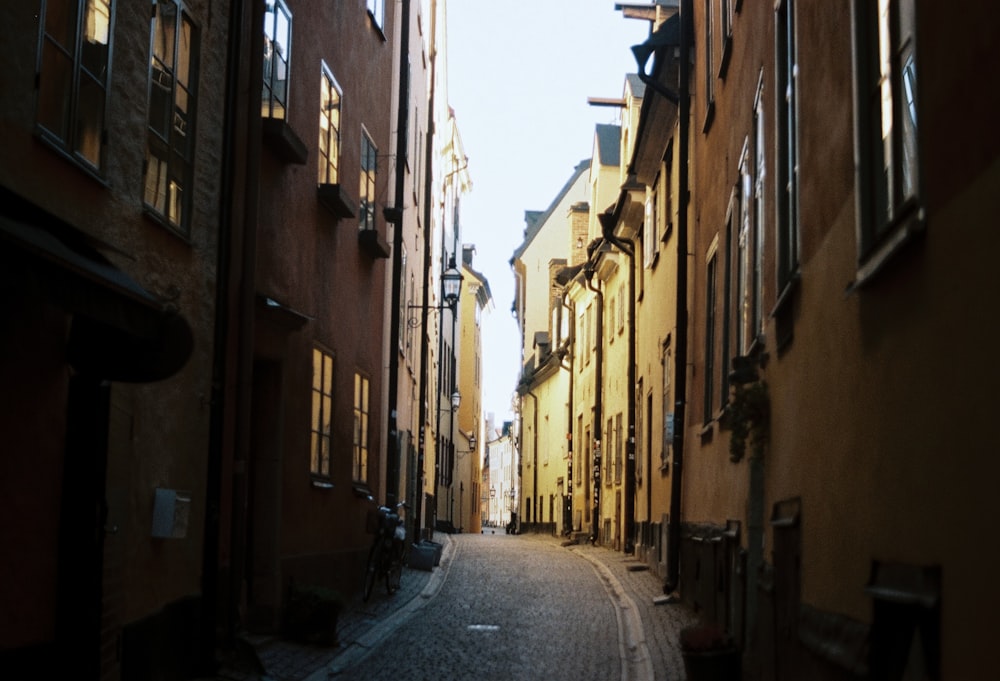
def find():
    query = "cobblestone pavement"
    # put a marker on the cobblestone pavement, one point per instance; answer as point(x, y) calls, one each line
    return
point(499, 607)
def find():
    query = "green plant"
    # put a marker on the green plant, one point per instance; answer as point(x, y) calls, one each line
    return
point(749, 417)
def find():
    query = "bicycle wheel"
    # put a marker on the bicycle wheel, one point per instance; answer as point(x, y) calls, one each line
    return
point(372, 569)
point(394, 573)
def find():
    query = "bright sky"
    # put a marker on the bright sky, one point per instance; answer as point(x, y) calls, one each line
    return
point(519, 75)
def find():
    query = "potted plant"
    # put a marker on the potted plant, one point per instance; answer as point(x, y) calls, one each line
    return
point(709, 653)
point(311, 614)
point(748, 415)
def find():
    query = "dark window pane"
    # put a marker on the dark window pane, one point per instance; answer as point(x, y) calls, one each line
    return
point(60, 21)
point(163, 35)
point(160, 97)
point(55, 91)
point(90, 120)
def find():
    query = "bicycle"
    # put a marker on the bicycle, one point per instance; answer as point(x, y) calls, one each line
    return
point(387, 554)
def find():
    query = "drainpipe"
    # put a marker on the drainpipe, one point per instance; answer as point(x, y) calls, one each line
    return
point(534, 458)
point(627, 246)
point(216, 618)
point(568, 353)
point(682, 98)
point(392, 446)
point(418, 504)
point(680, 358)
point(598, 394)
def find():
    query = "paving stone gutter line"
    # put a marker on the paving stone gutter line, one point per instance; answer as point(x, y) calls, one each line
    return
point(360, 648)
point(637, 665)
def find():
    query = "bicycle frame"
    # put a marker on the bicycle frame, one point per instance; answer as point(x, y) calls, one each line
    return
point(386, 556)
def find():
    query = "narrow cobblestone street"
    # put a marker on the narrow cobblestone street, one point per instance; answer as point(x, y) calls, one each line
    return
point(501, 607)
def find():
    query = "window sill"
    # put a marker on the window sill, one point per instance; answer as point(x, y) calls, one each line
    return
point(320, 483)
point(373, 244)
point(709, 117)
point(335, 200)
point(667, 231)
point(903, 231)
point(160, 220)
point(707, 432)
point(787, 295)
point(727, 52)
point(57, 147)
point(283, 141)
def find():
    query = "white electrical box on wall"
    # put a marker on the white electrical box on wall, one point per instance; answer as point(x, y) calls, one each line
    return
point(171, 508)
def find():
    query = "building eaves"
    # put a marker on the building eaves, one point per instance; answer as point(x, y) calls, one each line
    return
point(635, 85)
point(535, 220)
point(608, 144)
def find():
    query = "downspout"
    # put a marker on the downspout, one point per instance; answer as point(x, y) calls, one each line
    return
point(237, 264)
point(392, 445)
point(418, 504)
point(627, 246)
point(598, 394)
point(534, 458)
point(680, 358)
point(682, 98)
point(569, 403)
point(211, 610)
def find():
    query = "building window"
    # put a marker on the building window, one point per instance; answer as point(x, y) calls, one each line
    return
point(726, 30)
point(710, 323)
point(619, 442)
point(709, 66)
point(173, 86)
point(360, 428)
point(609, 452)
point(666, 406)
point(376, 8)
point(622, 297)
point(651, 244)
point(322, 413)
point(72, 81)
point(730, 296)
point(787, 146)
point(759, 174)
point(367, 190)
point(887, 163)
point(329, 128)
point(277, 52)
point(640, 439)
point(749, 240)
point(612, 310)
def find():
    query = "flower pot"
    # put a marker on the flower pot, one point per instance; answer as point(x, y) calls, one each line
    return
point(712, 665)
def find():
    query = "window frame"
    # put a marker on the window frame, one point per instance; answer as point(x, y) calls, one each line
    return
point(376, 10)
point(362, 428)
point(321, 395)
point(666, 361)
point(726, 19)
point(787, 237)
point(710, 74)
point(274, 9)
point(177, 165)
point(882, 230)
point(68, 141)
point(368, 179)
point(711, 324)
point(328, 152)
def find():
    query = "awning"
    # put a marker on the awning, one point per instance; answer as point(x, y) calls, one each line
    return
point(119, 331)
